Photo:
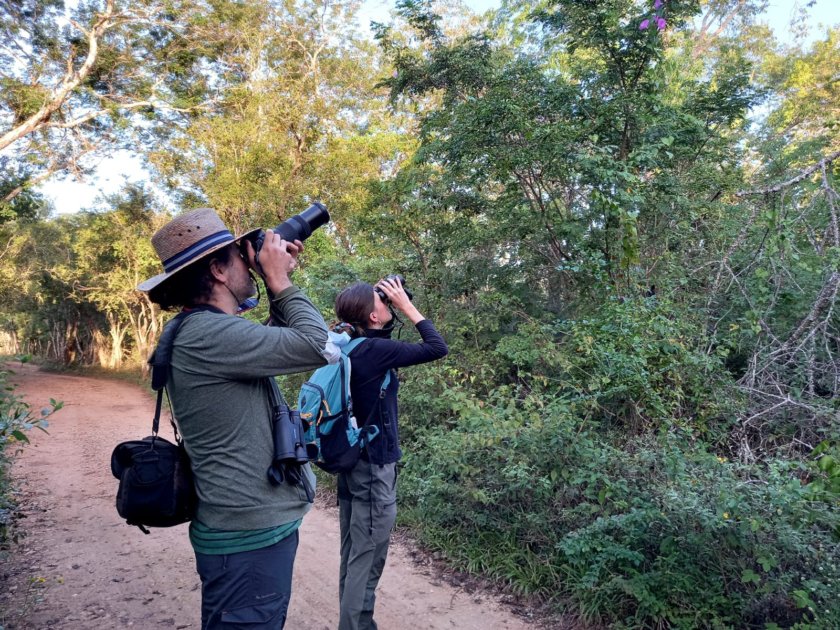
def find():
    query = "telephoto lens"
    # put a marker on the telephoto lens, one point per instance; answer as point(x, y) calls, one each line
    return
point(296, 228)
point(301, 226)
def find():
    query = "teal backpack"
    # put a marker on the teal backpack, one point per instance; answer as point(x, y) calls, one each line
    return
point(334, 439)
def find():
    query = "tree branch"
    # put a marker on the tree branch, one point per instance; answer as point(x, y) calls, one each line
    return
point(791, 182)
point(72, 79)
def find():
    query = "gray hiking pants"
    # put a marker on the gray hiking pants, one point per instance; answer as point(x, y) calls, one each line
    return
point(367, 502)
point(249, 589)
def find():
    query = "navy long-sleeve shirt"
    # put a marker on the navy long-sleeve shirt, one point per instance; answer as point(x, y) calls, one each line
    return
point(371, 361)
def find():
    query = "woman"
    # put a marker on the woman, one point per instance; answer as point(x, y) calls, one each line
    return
point(367, 495)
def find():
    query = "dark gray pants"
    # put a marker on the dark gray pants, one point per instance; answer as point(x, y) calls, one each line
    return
point(250, 589)
point(367, 501)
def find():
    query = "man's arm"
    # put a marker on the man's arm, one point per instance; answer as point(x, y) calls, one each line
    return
point(289, 307)
point(292, 309)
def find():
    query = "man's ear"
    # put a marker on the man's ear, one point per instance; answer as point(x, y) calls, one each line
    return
point(218, 270)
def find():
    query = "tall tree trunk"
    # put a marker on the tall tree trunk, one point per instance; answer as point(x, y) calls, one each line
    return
point(117, 332)
point(146, 322)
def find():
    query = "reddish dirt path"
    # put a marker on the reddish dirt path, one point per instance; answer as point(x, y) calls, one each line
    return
point(81, 567)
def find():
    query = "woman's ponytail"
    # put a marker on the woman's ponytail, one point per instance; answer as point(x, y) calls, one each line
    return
point(354, 330)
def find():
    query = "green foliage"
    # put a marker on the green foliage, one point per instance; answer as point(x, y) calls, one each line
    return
point(24, 205)
point(638, 417)
point(568, 164)
point(710, 543)
point(650, 534)
point(21, 99)
point(565, 447)
point(16, 420)
point(633, 364)
point(823, 469)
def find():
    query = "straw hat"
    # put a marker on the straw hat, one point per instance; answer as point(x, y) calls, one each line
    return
point(186, 239)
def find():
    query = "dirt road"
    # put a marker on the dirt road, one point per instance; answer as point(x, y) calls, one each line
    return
point(81, 567)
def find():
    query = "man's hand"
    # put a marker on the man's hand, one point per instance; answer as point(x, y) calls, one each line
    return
point(277, 260)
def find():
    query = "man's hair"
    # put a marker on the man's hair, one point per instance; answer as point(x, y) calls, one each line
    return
point(192, 285)
point(354, 305)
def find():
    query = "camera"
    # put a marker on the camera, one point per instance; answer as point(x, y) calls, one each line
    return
point(298, 227)
point(393, 276)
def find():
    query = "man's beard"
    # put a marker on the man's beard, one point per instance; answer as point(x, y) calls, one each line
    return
point(249, 301)
point(252, 286)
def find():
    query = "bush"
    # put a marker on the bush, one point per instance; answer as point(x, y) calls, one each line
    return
point(655, 533)
point(634, 364)
point(16, 419)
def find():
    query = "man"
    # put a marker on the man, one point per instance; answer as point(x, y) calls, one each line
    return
point(222, 390)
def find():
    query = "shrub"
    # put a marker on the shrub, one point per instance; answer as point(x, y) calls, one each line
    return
point(657, 533)
point(634, 364)
point(16, 419)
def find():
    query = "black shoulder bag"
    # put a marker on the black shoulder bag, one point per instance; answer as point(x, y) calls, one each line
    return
point(156, 483)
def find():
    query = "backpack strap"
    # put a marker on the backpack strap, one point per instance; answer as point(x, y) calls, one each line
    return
point(385, 382)
point(347, 349)
point(351, 345)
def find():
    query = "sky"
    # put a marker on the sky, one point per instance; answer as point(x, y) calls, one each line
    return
point(113, 172)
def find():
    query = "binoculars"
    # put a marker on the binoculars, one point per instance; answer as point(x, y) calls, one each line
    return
point(289, 445)
point(290, 451)
point(393, 276)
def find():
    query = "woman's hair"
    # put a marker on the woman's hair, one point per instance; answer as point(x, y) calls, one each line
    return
point(192, 285)
point(353, 306)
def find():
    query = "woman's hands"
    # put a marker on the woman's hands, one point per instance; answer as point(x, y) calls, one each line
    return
point(393, 288)
point(277, 260)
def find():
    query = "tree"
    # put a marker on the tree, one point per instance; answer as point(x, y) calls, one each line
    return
point(571, 150)
point(296, 118)
point(113, 255)
point(773, 302)
point(76, 81)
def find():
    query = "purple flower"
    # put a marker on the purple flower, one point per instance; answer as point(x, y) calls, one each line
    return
point(658, 4)
point(661, 23)
point(643, 26)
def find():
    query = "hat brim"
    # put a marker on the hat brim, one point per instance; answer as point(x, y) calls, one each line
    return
point(151, 283)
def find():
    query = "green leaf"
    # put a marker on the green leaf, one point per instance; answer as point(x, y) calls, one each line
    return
point(826, 463)
point(802, 600)
point(767, 563)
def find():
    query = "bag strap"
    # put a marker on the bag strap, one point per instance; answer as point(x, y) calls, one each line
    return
point(161, 358)
point(351, 345)
point(162, 355)
point(274, 393)
point(348, 348)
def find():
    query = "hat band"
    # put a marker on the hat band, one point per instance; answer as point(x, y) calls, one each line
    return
point(196, 249)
